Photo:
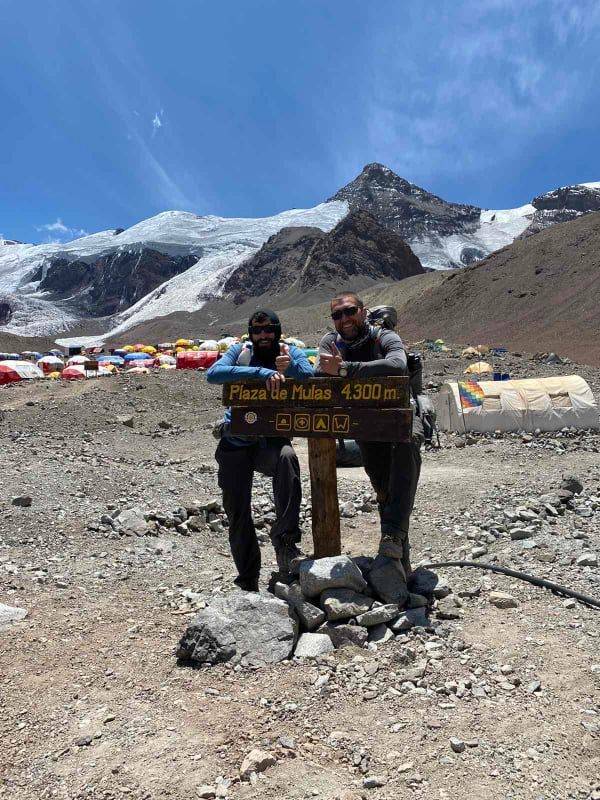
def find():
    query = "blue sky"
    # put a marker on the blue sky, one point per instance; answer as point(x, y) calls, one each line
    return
point(115, 110)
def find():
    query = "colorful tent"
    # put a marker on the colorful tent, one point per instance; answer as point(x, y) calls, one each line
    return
point(547, 404)
point(14, 371)
point(117, 361)
point(77, 360)
point(139, 356)
point(50, 364)
point(75, 372)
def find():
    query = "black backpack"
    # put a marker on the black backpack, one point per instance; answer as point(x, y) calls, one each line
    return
point(386, 318)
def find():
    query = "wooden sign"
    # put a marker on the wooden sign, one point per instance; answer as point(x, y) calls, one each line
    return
point(368, 424)
point(323, 410)
point(381, 392)
point(91, 366)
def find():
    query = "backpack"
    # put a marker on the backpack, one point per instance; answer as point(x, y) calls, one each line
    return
point(386, 318)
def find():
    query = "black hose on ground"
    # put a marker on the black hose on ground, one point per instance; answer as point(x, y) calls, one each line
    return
point(556, 588)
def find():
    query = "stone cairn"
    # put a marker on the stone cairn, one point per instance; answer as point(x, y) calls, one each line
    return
point(335, 602)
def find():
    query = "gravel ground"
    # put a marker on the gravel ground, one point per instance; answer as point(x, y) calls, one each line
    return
point(489, 702)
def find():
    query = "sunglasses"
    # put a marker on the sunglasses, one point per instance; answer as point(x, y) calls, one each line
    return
point(263, 328)
point(349, 311)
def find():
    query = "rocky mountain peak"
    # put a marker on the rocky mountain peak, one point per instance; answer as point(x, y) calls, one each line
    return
point(404, 206)
point(563, 204)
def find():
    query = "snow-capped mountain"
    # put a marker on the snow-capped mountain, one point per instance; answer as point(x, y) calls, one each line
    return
point(28, 298)
point(176, 260)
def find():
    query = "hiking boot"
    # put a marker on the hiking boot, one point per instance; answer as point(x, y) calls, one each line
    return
point(246, 585)
point(286, 554)
point(391, 545)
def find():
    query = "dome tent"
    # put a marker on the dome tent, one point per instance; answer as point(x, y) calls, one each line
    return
point(547, 404)
point(15, 371)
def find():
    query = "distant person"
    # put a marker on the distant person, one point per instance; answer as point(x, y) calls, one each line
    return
point(262, 358)
point(359, 350)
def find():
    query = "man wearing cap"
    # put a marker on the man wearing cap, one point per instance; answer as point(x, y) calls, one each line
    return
point(262, 358)
point(359, 350)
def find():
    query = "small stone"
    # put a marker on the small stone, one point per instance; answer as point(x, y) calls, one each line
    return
point(205, 792)
point(84, 741)
point(411, 618)
point(572, 484)
point(10, 614)
point(587, 560)
point(457, 745)
point(374, 781)
point(448, 608)
point(534, 687)
point(311, 645)
point(165, 425)
point(256, 761)
point(503, 600)
point(23, 501)
point(128, 421)
point(516, 534)
point(380, 634)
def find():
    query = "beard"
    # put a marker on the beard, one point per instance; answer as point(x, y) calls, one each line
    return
point(265, 349)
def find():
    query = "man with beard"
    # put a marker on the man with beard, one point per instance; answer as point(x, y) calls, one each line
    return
point(262, 358)
point(358, 350)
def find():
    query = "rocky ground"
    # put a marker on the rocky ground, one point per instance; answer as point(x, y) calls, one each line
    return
point(497, 698)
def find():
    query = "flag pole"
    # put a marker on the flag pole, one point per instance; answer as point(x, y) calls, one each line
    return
point(462, 412)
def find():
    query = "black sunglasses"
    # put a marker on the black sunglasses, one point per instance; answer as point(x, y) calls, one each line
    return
point(349, 311)
point(263, 328)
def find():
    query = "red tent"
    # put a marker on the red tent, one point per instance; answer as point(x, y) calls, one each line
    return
point(13, 371)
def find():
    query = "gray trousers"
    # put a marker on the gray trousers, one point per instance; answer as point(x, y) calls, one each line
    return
point(237, 465)
point(394, 470)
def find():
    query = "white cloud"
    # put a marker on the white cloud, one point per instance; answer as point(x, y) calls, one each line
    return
point(157, 122)
point(62, 232)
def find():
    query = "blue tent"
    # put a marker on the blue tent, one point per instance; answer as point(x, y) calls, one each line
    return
point(116, 360)
point(138, 357)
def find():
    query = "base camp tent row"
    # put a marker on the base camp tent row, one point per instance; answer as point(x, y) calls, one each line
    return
point(547, 404)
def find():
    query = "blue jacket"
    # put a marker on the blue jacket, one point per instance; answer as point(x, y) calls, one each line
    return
point(227, 370)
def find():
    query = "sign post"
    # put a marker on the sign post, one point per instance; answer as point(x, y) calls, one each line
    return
point(323, 410)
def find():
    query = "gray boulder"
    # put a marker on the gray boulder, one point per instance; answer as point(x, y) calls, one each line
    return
point(411, 618)
point(378, 615)
point(344, 603)
point(255, 627)
point(131, 522)
point(10, 614)
point(310, 616)
point(388, 581)
point(380, 634)
point(344, 635)
point(311, 645)
point(317, 575)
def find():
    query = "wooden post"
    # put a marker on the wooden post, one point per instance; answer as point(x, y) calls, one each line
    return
point(325, 507)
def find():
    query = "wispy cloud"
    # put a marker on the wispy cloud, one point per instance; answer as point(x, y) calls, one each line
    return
point(117, 62)
point(489, 79)
point(59, 232)
point(157, 122)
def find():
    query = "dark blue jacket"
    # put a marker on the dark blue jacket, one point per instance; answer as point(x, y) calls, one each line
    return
point(227, 370)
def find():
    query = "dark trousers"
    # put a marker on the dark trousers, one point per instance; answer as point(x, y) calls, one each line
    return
point(394, 470)
point(237, 465)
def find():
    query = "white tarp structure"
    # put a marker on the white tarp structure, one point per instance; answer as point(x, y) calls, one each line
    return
point(547, 404)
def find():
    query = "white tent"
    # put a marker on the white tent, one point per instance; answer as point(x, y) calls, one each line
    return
point(547, 404)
